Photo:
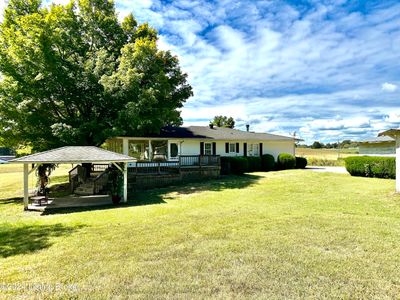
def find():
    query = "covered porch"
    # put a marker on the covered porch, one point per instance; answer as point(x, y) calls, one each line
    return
point(78, 155)
point(147, 149)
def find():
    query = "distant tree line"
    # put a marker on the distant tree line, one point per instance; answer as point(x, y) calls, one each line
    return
point(223, 121)
point(345, 144)
point(6, 151)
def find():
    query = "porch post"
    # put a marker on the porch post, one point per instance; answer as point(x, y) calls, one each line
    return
point(125, 182)
point(125, 146)
point(26, 187)
point(150, 151)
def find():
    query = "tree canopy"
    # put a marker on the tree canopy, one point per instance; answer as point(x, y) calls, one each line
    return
point(73, 74)
point(223, 121)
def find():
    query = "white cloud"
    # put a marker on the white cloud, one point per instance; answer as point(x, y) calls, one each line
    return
point(389, 87)
point(3, 5)
point(283, 67)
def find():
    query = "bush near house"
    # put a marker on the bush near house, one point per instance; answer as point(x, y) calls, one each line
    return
point(301, 162)
point(254, 164)
point(267, 162)
point(286, 161)
point(239, 165)
point(371, 166)
point(245, 164)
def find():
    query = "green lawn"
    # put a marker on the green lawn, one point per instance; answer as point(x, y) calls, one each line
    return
point(11, 179)
point(289, 234)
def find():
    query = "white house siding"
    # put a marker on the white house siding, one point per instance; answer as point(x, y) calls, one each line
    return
point(277, 147)
point(377, 148)
point(192, 147)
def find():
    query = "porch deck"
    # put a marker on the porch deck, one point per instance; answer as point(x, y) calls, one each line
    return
point(72, 201)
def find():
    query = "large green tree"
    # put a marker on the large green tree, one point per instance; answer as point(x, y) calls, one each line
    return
point(73, 74)
point(223, 121)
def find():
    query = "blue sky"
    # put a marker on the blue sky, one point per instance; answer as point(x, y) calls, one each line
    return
point(329, 70)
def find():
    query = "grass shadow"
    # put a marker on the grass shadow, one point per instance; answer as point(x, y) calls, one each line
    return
point(14, 200)
point(70, 210)
point(16, 240)
point(157, 195)
point(222, 183)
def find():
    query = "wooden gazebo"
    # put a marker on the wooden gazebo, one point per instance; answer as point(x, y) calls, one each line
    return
point(73, 155)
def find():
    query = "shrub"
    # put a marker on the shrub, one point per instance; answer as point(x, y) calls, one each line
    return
point(225, 165)
point(301, 162)
point(286, 161)
point(267, 162)
point(239, 165)
point(371, 166)
point(254, 164)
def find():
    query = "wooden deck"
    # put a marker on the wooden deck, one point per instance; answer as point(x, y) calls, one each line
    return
point(72, 201)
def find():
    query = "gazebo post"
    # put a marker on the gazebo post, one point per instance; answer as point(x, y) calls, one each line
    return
point(26, 186)
point(125, 182)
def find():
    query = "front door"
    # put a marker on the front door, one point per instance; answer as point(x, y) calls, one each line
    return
point(173, 150)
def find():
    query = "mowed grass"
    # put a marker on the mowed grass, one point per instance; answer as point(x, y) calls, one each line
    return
point(325, 157)
point(329, 154)
point(11, 179)
point(289, 234)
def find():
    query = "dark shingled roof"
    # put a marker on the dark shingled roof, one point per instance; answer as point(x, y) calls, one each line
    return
point(379, 139)
point(217, 133)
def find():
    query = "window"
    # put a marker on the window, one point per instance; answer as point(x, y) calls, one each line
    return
point(207, 149)
point(254, 150)
point(159, 149)
point(139, 149)
point(232, 148)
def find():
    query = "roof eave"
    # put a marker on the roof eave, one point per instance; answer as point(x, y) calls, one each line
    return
point(70, 161)
point(391, 132)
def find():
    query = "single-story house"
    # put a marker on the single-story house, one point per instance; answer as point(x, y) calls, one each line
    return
point(381, 146)
point(173, 142)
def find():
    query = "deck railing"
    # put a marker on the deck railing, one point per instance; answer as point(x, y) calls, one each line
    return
point(99, 182)
point(173, 167)
point(76, 176)
point(199, 160)
point(152, 167)
point(99, 167)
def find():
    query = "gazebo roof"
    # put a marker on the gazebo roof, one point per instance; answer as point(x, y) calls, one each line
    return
point(74, 154)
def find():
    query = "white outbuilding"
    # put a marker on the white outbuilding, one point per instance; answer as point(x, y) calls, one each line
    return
point(395, 134)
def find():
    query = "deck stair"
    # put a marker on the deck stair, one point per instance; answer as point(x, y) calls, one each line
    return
point(86, 188)
point(97, 183)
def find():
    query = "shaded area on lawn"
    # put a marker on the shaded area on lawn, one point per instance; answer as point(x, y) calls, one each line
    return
point(158, 195)
point(15, 240)
point(15, 200)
